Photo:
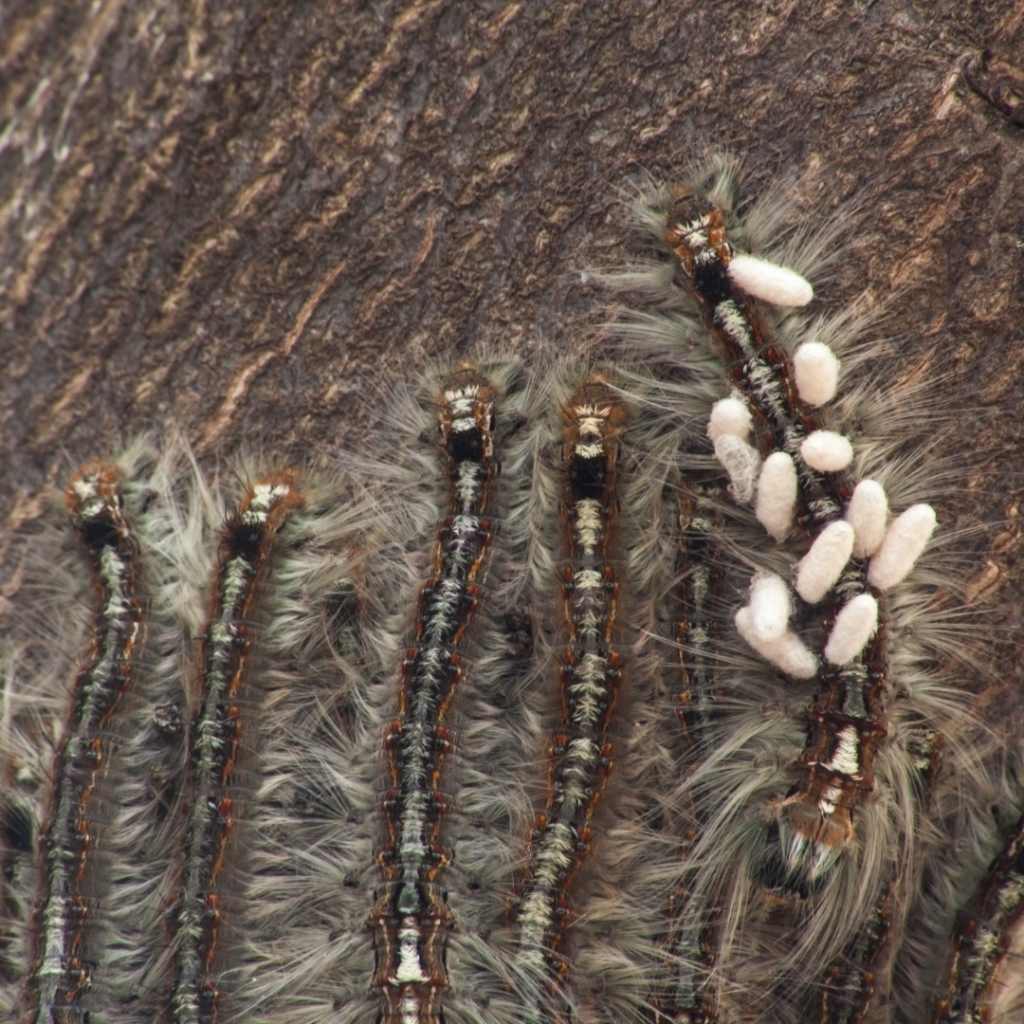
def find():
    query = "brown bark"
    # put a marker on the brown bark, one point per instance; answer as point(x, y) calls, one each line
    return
point(236, 219)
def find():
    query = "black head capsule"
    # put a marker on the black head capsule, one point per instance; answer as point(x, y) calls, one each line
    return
point(98, 533)
point(466, 444)
point(587, 476)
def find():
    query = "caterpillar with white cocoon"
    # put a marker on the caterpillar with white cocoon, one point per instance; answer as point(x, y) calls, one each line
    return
point(803, 861)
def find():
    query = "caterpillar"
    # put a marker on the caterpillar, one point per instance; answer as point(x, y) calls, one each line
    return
point(412, 917)
point(393, 787)
point(581, 754)
point(61, 973)
point(213, 741)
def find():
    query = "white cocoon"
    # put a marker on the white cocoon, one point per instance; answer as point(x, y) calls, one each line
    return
point(826, 451)
point(741, 462)
point(769, 281)
point(855, 625)
point(770, 607)
point(788, 652)
point(867, 513)
point(904, 541)
point(817, 372)
point(730, 416)
point(776, 494)
point(823, 564)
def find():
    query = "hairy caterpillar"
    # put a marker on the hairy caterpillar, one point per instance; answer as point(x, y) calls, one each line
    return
point(412, 918)
point(62, 970)
point(590, 676)
point(213, 741)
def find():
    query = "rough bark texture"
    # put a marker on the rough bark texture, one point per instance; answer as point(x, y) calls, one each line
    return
point(235, 219)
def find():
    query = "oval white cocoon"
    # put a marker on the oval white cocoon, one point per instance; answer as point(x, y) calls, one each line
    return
point(768, 281)
point(816, 370)
point(854, 626)
point(904, 541)
point(776, 494)
point(867, 513)
point(826, 451)
point(824, 563)
point(730, 416)
point(770, 607)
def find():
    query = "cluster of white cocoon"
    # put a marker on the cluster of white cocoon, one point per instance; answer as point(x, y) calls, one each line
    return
point(764, 624)
point(816, 371)
point(764, 621)
point(894, 550)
